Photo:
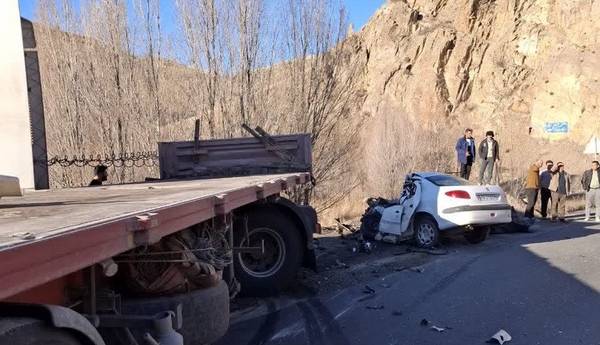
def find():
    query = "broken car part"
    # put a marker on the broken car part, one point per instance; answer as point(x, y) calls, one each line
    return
point(500, 337)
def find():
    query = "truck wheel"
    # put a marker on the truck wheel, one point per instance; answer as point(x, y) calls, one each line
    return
point(477, 235)
point(269, 273)
point(427, 233)
point(28, 331)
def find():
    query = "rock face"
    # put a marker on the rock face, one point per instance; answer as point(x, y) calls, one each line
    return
point(528, 67)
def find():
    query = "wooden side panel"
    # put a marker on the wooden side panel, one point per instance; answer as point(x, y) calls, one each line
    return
point(235, 157)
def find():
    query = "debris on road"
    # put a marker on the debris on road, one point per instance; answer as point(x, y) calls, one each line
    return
point(417, 269)
point(341, 227)
point(425, 322)
point(375, 307)
point(353, 260)
point(24, 235)
point(397, 313)
point(341, 264)
point(368, 290)
point(500, 337)
point(365, 247)
point(430, 251)
point(368, 297)
point(439, 329)
point(519, 223)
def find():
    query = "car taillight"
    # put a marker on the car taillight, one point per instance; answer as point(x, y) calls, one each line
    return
point(459, 194)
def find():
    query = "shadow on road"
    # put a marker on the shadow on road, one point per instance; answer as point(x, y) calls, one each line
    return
point(542, 287)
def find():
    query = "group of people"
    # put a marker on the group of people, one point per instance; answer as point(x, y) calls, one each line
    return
point(488, 152)
point(554, 184)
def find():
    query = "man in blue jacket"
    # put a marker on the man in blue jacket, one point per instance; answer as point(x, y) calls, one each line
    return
point(465, 152)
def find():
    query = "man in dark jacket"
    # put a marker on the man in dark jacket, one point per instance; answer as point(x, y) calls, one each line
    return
point(590, 181)
point(545, 178)
point(465, 152)
point(100, 175)
point(489, 154)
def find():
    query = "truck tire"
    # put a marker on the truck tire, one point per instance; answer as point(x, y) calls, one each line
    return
point(205, 313)
point(276, 269)
point(477, 235)
point(29, 331)
point(427, 233)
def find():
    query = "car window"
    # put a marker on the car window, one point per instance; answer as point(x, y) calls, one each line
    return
point(448, 181)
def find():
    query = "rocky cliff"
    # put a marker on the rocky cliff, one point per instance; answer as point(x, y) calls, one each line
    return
point(522, 67)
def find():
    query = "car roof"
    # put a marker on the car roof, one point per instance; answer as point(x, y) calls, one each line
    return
point(429, 174)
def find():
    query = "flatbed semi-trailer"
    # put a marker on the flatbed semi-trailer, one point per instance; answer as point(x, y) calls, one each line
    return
point(47, 234)
point(50, 240)
point(144, 262)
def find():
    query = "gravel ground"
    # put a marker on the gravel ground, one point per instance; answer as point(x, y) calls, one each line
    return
point(340, 263)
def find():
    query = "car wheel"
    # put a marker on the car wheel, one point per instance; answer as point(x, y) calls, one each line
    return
point(271, 272)
point(477, 235)
point(427, 233)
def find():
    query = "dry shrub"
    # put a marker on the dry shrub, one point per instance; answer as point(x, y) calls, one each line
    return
point(395, 146)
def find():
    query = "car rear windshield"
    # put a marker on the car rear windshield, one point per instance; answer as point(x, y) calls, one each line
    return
point(448, 181)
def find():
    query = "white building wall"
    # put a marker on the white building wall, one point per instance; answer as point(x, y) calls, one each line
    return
point(15, 137)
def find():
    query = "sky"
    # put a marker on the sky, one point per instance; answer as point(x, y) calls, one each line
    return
point(359, 11)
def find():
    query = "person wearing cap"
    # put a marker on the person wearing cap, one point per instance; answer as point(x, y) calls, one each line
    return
point(532, 187)
point(465, 152)
point(489, 153)
point(560, 186)
point(546, 194)
point(100, 175)
point(590, 181)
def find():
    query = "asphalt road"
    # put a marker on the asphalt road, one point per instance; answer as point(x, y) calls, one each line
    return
point(542, 287)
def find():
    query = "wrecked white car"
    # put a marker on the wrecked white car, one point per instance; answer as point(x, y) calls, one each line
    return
point(434, 202)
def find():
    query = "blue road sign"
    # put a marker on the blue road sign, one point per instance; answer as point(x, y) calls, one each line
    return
point(556, 127)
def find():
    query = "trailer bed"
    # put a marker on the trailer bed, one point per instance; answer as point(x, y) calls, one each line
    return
point(45, 235)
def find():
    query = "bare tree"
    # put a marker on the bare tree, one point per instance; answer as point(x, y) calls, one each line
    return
point(321, 83)
point(241, 62)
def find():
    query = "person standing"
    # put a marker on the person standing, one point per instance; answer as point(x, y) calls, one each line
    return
point(489, 154)
point(532, 187)
point(560, 186)
point(546, 194)
point(465, 152)
point(100, 175)
point(590, 181)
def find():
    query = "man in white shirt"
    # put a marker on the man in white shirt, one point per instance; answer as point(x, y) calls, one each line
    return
point(590, 181)
point(489, 154)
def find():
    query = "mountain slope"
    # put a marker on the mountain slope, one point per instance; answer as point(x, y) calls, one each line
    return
point(484, 63)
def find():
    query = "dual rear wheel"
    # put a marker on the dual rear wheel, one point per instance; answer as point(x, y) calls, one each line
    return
point(270, 272)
